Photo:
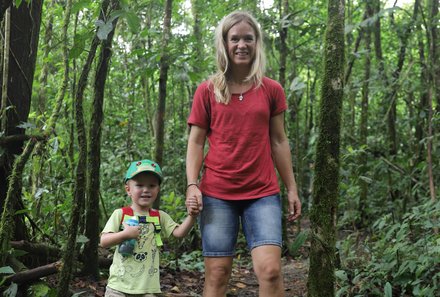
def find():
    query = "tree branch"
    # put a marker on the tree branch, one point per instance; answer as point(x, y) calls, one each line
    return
point(20, 138)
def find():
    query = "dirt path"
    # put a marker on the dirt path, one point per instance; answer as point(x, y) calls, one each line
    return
point(243, 282)
point(190, 284)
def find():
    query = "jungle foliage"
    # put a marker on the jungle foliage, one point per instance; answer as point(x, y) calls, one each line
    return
point(388, 207)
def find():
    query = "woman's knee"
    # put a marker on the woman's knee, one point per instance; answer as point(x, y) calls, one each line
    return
point(267, 263)
point(217, 270)
point(269, 272)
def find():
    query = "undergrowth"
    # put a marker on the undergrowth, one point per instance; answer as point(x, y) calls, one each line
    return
point(398, 258)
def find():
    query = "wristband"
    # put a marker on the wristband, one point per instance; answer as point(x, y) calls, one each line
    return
point(192, 184)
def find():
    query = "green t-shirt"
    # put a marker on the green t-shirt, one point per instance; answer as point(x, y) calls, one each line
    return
point(139, 273)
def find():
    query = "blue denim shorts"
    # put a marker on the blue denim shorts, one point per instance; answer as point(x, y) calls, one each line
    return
point(220, 222)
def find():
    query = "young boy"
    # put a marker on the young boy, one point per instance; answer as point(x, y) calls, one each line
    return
point(137, 273)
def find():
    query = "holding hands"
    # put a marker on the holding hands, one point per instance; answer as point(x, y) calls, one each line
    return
point(194, 204)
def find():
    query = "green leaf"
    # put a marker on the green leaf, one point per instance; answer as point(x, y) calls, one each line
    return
point(11, 291)
point(366, 179)
point(82, 239)
point(388, 290)
point(21, 211)
point(116, 14)
point(78, 6)
point(39, 290)
point(6, 270)
point(79, 293)
point(299, 241)
point(78, 46)
point(133, 21)
point(25, 125)
point(17, 3)
point(342, 275)
point(103, 29)
point(19, 253)
point(297, 85)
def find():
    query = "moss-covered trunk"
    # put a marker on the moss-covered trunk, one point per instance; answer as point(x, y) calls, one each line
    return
point(363, 126)
point(80, 179)
point(90, 253)
point(163, 78)
point(16, 82)
point(321, 280)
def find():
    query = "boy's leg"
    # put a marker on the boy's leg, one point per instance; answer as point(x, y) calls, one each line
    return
point(109, 292)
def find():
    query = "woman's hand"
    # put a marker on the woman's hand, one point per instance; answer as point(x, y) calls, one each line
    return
point(294, 206)
point(194, 204)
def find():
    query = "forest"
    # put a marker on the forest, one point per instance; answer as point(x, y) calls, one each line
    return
point(89, 86)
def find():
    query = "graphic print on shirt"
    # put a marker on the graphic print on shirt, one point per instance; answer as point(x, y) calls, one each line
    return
point(145, 230)
point(153, 269)
point(139, 272)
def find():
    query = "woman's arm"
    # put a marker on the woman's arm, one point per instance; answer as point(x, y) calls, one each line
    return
point(194, 159)
point(283, 162)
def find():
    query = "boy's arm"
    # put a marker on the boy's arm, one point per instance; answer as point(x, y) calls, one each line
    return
point(183, 229)
point(114, 238)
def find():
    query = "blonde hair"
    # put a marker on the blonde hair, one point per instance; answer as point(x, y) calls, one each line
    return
point(219, 79)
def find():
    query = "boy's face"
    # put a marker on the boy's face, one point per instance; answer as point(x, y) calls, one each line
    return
point(143, 190)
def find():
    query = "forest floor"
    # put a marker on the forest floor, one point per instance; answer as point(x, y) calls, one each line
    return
point(243, 282)
point(190, 283)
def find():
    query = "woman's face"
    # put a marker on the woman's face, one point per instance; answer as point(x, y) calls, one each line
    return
point(240, 43)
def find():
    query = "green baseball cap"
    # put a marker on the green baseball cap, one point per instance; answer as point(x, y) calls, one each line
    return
point(137, 167)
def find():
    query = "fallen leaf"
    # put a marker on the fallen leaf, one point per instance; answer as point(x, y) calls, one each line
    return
point(175, 289)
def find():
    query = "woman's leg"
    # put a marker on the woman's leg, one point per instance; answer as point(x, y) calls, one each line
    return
point(261, 222)
point(219, 225)
point(217, 274)
point(267, 266)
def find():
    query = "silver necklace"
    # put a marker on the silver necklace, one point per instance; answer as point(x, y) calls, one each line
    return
point(241, 97)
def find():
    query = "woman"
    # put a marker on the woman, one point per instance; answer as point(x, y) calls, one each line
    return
point(241, 113)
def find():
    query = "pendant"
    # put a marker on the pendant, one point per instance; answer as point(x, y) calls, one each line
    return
point(240, 97)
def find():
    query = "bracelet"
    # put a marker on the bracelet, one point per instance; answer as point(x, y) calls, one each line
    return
point(192, 184)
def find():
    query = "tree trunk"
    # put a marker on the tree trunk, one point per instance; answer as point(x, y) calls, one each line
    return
point(420, 126)
point(80, 179)
point(148, 89)
point(7, 219)
point(38, 157)
point(321, 281)
point(434, 89)
point(363, 129)
point(163, 77)
point(434, 49)
point(196, 8)
point(5, 4)
point(24, 33)
point(92, 229)
point(308, 124)
point(392, 95)
point(283, 37)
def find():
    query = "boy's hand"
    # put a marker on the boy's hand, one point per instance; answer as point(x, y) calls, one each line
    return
point(131, 231)
point(192, 206)
point(193, 192)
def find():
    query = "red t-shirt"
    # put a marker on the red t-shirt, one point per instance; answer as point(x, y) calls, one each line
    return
point(238, 164)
